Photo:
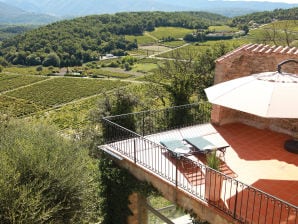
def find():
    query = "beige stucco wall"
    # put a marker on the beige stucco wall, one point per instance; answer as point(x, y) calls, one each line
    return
point(173, 194)
point(251, 60)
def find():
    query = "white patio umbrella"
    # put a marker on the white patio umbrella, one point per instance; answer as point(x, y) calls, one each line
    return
point(267, 94)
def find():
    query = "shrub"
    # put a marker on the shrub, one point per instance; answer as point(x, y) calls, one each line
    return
point(44, 178)
point(39, 68)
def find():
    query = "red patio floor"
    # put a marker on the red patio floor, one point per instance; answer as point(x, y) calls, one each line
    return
point(259, 159)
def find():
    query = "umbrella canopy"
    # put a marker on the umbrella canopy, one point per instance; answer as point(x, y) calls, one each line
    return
point(267, 94)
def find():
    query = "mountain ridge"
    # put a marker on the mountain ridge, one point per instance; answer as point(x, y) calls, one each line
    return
point(81, 8)
point(13, 15)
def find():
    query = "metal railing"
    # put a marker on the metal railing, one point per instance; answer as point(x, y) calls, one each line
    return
point(125, 133)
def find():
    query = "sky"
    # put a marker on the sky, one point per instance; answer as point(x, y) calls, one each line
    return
point(283, 1)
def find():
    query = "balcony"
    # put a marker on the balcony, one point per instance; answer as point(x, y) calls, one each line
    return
point(258, 178)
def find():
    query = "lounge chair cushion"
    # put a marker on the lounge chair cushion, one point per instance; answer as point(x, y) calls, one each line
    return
point(201, 144)
point(175, 146)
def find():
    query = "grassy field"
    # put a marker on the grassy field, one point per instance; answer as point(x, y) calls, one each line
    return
point(106, 73)
point(144, 39)
point(58, 91)
point(145, 67)
point(291, 25)
point(173, 44)
point(276, 33)
point(8, 82)
point(176, 32)
point(30, 70)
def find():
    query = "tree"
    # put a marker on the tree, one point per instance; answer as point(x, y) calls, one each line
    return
point(3, 62)
point(33, 59)
point(44, 178)
point(178, 77)
point(279, 33)
point(51, 60)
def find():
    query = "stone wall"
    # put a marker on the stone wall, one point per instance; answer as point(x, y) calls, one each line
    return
point(247, 60)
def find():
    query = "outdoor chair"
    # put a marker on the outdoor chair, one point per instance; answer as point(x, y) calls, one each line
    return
point(202, 145)
point(176, 147)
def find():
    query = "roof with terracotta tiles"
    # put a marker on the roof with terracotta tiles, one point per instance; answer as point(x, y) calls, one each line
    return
point(260, 49)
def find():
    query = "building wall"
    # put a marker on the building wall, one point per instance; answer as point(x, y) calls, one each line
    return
point(173, 194)
point(247, 60)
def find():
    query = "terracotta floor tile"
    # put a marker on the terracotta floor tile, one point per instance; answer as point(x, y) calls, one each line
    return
point(272, 168)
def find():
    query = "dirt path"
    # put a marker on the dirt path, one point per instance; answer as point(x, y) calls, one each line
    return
point(172, 49)
point(149, 35)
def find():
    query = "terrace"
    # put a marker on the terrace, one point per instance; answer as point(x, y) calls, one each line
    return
point(259, 178)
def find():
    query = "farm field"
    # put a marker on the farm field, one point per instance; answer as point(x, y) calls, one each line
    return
point(16, 107)
point(29, 70)
point(197, 48)
point(222, 29)
point(164, 32)
point(106, 72)
point(173, 44)
point(158, 34)
point(74, 116)
point(70, 117)
point(142, 39)
point(145, 67)
point(8, 82)
point(56, 91)
point(276, 33)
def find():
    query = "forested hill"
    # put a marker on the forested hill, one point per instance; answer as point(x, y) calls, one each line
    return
point(72, 42)
point(267, 16)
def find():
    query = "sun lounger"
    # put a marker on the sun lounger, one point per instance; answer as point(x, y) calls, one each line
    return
point(176, 147)
point(202, 145)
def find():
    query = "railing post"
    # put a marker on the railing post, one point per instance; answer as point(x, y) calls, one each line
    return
point(176, 174)
point(134, 151)
point(143, 125)
point(236, 198)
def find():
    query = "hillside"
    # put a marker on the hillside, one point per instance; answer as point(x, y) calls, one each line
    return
point(79, 7)
point(72, 42)
point(8, 31)
point(267, 16)
point(14, 15)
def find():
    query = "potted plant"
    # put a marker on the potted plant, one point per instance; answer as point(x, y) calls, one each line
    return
point(213, 181)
